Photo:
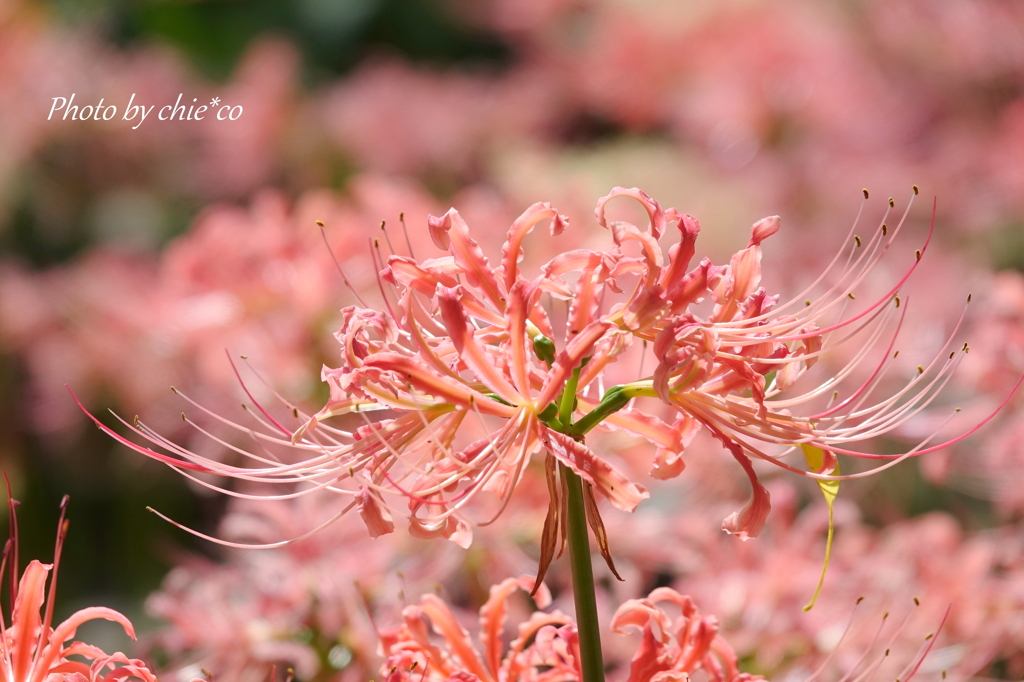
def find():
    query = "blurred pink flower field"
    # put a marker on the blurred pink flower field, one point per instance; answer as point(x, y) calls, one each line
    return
point(343, 345)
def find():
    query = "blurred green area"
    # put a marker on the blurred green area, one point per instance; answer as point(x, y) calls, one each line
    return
point(57, 200)
point(332, 35)
point(116, 552)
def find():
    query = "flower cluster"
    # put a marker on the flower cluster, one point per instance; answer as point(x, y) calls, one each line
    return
point(546, 646)
point(477, 368)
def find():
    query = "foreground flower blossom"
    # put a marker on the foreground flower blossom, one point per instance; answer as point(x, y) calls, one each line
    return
point(676, 643)
point(32, 650)
point(478, 369)
point(546, 646)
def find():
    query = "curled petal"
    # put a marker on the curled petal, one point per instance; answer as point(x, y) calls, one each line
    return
point(680, 255)
point(373, 513)
point(581, 346)
point(452, 231)
point(670, 440)
point(647, 309)
point(493, 614)
point(66, 630)
point(741, 280)
point(686, 354)
point(438, 228)
point(764, 228)
point(424, 277)
point(653, 208)
point(469, 348)
point(648, 246)
point(692, 288)
point(511, 251)
point(576, 260)
point(362, 333)
point(668, 460)
point(449, 528)
point(455, 636)
point(443, 388)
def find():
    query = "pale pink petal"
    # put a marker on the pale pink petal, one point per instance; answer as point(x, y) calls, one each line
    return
point(764, 228)
point(373, 513)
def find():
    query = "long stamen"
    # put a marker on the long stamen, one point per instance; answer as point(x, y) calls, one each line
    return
point(337, 264)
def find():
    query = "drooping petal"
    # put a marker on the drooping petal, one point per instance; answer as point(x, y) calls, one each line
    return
point(373, 513)
point(450, 528)
point(748, 522)
point(619, 490)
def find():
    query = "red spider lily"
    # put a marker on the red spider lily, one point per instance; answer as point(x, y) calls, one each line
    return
point(32, 650)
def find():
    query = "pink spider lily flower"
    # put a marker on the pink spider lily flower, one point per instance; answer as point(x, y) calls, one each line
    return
point(676, 643)
point(448, 358)
point(732, 372)
point(546, 648)
point(32, 649)
point(479, 371)
point(672, 649)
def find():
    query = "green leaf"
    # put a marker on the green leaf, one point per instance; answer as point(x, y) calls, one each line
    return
point(815, 457)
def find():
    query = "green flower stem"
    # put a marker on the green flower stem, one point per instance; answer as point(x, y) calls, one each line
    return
point(560, 418)
point(613, 400)
point(589, 628)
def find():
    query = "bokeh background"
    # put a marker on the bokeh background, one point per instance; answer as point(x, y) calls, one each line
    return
point(130, 259)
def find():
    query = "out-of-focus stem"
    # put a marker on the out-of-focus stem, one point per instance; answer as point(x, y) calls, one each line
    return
point(592, 661)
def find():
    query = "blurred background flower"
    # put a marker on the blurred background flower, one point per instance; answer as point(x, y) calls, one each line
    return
point(131, 258)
